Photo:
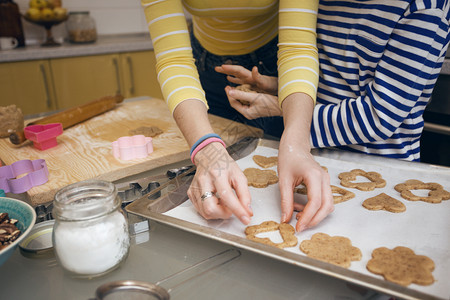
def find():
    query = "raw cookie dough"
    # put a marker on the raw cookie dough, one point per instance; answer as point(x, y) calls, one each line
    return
point(436, 194)
point(151, 131)
point(402, 266)
point(287, 232)
point(384, 202)
point(260, 178)
point(343, 194)
point(264, 161)
point(11, 120)
point(376, 181)
point(337, 250)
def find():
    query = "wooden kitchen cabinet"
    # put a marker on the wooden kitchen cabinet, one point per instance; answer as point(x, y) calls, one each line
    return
point(28, 85)
point(60, 83)
point(139, 74)
point(78, 80)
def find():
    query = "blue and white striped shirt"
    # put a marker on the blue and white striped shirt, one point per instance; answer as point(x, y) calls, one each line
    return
point(379, 61)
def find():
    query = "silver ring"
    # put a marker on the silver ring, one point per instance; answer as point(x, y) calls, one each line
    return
point(206, 195)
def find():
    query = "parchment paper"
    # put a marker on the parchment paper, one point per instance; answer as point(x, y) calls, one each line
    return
point(423, 227)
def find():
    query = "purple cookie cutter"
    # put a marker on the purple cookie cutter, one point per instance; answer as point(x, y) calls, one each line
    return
point(36, 170)
point(43, 136)
point(132, 147)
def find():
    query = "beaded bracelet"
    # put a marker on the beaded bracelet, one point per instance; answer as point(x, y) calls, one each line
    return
point(204, 144)
point(203, 138)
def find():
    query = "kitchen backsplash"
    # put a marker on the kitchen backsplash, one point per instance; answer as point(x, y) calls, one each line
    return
point(111, 17)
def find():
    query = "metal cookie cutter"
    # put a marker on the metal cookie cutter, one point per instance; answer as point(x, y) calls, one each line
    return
point(43, 136)
point(37, 175)
point(151, 187)
point(132, 147)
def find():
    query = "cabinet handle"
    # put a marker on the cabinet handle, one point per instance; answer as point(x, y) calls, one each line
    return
point(116, 66)
point(130, 66)
point(47, 92)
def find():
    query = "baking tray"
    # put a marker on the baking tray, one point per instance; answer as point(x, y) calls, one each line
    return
point(423, 227)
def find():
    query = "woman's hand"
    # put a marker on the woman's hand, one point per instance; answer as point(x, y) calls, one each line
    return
point(218, 178)
point(240, 75)
point(296, 165)
point(219, 174)
point(253, 105)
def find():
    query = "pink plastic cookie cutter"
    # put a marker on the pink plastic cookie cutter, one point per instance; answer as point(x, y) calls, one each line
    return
point(36, 174)
point(132, 147)
point(43, 136)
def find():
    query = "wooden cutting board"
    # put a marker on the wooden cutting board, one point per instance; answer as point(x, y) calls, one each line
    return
point(84, 151)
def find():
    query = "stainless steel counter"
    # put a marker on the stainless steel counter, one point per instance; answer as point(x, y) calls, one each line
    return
point(163, 251)
point(167, 251)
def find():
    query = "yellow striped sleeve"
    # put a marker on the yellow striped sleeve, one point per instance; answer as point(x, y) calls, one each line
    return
point(298, 65)
point(177, 73)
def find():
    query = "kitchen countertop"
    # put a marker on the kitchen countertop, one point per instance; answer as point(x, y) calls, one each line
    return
point(166, 251)
point(104, 45)
point(163, 251)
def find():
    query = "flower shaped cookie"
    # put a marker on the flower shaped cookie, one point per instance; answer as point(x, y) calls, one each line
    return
point(402, 266)
point(339, 194)
point(436, 194)
point(348, 178)
point(337, 250)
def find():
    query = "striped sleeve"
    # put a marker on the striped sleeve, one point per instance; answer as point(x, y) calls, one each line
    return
point(175, 67)
point(386, 118)
point(298, 64)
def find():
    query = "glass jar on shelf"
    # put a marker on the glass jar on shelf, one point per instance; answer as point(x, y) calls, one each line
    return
point(90, 235)
point(81, 27)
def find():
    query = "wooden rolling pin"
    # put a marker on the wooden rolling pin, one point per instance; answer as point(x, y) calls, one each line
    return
point(72, 116)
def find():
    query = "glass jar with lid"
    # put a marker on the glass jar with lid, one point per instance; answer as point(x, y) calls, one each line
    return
point(90, 235)
point(81, 27)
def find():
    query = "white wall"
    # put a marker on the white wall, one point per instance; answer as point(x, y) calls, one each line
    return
point(111, 16)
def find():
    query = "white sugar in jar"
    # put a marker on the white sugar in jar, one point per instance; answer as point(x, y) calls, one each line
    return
point(90, 235)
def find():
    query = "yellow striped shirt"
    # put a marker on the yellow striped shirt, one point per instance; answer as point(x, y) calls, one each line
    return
point(233, 27)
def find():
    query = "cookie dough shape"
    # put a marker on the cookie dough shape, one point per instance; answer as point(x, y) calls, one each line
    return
point(287, 233)
point(402, 266)
point(384, 202)
point(376, 181)
point(264, 161)
point(435, 195)
point(151, 131)
point(337, 250)
point(342, 194)
point(260, 178)
point(11, 120)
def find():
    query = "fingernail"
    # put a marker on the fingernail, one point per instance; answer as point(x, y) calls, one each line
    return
point(302, 227)
point(283, 218)
point(245, 220)
point(231, 92)
point(250, 209)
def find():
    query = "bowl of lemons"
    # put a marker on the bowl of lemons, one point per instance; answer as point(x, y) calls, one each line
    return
point(46, 13)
